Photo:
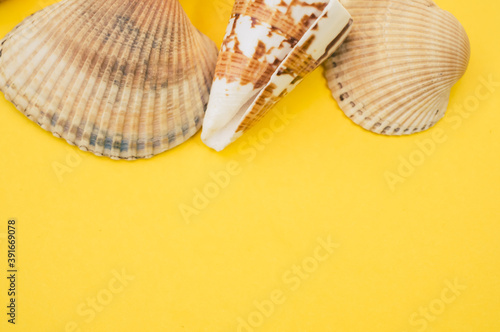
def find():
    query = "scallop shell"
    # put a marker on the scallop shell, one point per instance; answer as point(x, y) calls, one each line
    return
point(123, 79)
point(269, 46)
point(394, 73)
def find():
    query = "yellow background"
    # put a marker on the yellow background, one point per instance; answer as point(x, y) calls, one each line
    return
point(82, 219)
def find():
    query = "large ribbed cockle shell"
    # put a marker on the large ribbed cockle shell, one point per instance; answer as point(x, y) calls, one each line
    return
point(123, 79)
point(269, 46)
point(393, 74)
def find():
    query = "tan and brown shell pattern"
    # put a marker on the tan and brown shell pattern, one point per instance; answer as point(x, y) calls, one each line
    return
point(268, 48)
point(394, 72)
point(123, 79)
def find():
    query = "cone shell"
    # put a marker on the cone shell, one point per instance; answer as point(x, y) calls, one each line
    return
point(394, 73)
point(268, 48)
point(123, 79)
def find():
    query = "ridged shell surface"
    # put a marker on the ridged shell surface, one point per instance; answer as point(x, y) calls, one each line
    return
point(394, 72)
point(268, 48)
point(123, 79)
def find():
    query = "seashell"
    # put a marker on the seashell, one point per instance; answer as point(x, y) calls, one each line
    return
point(269, 46)
point(394, 73)
point(123, 79)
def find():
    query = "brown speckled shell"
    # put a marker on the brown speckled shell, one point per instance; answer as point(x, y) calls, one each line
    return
point(394, 72)
point(123, 79)
point(269, 47)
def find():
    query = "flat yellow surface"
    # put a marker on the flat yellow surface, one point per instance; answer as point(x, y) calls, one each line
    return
point(314, 225)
